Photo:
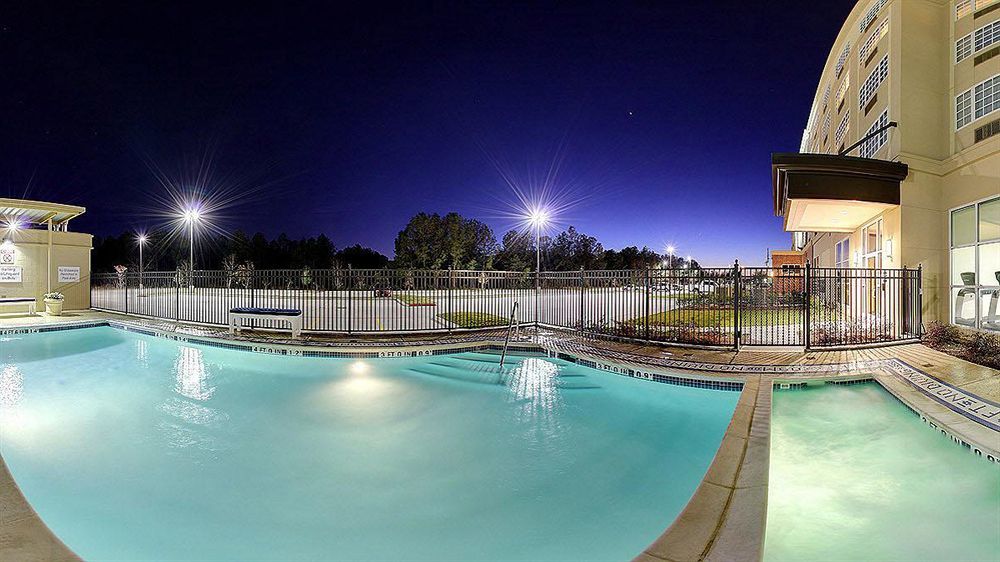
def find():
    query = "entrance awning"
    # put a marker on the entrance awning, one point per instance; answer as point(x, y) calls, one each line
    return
point(830, 193)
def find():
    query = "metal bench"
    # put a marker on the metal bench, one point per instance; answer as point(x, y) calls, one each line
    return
point(291, 315)
point(30, 301)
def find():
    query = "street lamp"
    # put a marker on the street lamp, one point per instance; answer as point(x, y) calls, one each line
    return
point(670, 252)
point(141, 239)
point(538, 218)
point(191, 215)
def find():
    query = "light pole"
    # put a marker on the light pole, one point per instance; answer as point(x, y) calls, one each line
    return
point(141, 239)
point(538, 219)
point(191, 216)
point(670, 252)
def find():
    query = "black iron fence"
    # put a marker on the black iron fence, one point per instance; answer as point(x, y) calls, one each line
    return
point(720, 307)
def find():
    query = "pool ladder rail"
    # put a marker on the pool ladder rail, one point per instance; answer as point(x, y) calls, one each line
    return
point(510, 328)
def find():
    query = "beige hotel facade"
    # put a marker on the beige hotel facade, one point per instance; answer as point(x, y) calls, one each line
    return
point(918, 81)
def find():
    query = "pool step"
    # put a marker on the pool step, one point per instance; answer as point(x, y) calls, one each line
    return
point(478, 376)
point(566, 386)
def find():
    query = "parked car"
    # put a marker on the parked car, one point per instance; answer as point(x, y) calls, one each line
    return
point(704, 286)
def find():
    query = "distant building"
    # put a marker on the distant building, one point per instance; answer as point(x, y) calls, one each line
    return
point(925, 193)
point(38, 253)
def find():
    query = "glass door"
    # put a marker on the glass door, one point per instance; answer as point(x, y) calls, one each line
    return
point(871, 258)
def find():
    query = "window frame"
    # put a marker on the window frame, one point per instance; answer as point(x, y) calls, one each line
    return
point(870, 86)
point(963, 48)
point(979, 287)
point(868, 149)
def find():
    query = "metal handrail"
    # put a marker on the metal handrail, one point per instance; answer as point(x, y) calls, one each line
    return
point(510, 326)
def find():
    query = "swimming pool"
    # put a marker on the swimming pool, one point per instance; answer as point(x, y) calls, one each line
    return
point(856, 476)
point(138, 447)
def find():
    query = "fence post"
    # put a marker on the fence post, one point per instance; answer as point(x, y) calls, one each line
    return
point(451, 283)
point(125, 278)
point(645, 305)
point(737, 335)
point(808, 305)
point(350, 297)
point(920, 300)
point(177, 297)
point(582, 283)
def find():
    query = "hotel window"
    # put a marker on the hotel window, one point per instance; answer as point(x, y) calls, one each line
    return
point(873, 81)
point(842, 60)
point(975, 265)
point(842, 90)
point(962, 7)
point(844, 253)
point(879, 33)
point(842, 128)
point(963, 48)
point(826, 128)
point(963, 109)
point(987, 35)
point(872, 13)
point(826, 98)
point(987, 97)
point(873, 144)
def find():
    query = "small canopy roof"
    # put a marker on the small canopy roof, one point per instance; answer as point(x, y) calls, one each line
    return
point(38, 212)
point(832, 193)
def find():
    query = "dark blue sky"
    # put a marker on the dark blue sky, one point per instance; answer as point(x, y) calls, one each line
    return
point(661, 115)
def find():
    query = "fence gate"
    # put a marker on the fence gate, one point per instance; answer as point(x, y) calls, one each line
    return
point(772, 306)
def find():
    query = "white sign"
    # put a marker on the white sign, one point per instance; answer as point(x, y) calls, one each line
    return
point(7, 254)
point(69, 274)
point(10, 274)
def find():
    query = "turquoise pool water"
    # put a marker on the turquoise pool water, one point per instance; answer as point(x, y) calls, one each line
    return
point(855, 476)
point(135, 448)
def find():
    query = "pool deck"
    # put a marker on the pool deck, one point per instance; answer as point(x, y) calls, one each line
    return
point(725, 518)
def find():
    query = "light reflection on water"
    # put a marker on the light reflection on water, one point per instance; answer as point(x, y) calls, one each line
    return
point(142, 353)
point(11, 386)
point(192, 375)
point(194, 420)
point(537, 400)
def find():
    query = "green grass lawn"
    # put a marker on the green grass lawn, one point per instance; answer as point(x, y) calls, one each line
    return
point(414, 300)
point(724, 317)
point(679, 297)
point(473, 319)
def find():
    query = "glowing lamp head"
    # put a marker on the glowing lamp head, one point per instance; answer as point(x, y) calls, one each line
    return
point(670, 250)
point(538, 217)
point(141, 239)
point(191, 215)
point(13, 225)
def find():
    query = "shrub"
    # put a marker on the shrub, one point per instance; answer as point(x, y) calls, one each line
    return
point(939, 334)
point(985, 350)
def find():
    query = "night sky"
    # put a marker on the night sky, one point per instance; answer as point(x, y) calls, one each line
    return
point(655, 120)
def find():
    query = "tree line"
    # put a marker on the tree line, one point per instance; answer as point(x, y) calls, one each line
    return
point(428, 241)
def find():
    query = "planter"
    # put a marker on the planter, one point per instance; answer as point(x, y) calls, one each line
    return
point(53, 307)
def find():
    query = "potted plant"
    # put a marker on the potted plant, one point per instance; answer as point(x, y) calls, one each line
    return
point(54, 303)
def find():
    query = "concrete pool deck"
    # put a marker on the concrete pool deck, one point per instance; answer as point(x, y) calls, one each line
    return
point(725, 518)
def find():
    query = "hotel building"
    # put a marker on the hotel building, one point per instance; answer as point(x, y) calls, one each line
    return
point(899, 164)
